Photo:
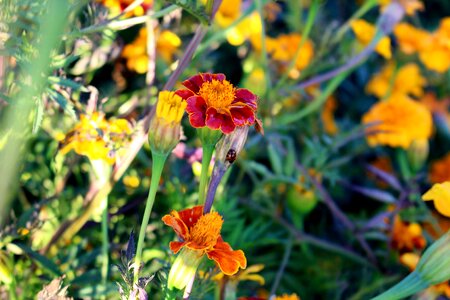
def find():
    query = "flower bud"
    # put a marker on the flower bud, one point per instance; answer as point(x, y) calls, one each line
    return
point(184, 268)
point(434, 266)
point(231, 145)
point(165, 128)
point(417, 153)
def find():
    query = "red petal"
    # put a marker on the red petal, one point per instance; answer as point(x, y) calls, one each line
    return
point(185, 94)
point(216, 120)
point(242, 116)
point(176, 246)
point(190, 216)
point(174, 220)
point(196, 109)
point(247, 97)
point(228, 260)
point(211, 77)
point(194, 83)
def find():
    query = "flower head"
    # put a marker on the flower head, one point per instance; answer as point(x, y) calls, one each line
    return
point(288, 297)
point(365, 32)
point(200, 233)
point(214, 102)
point(439, 171)
point(398, 121)
point(407, 236)
point(410, 39)
point(440, 193)
point(406, 80)
point(435, 55)
point(165, 128)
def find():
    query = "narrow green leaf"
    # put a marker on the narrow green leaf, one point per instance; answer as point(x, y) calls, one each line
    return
point(40, 259)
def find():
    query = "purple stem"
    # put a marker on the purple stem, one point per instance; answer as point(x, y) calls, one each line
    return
point(217, 175)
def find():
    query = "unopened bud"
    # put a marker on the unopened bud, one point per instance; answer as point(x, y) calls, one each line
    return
point(184, 268)
point(418, 153)
point(231, 145)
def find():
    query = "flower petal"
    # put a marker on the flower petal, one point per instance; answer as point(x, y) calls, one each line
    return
point(185, 94)
point(216, 120)
point(247, 97)
point(242, 116)
point(173, 220)
point(210, 77)
point(190, 216)
point(194, 83)
point(176, 246)
point(227, 259)
point(196, 109)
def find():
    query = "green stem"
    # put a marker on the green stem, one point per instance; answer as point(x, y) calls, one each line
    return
point(157, 168)
point(408, 286)
point(206, 160)
point(105, 244)
point(12, 289)
point(403, 164)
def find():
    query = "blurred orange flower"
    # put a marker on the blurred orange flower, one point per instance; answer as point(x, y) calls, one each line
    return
point(411, 39)
point(135, 53)
point(439, 171)
point(401, 121)
point(365, 32)
point(327, 116)
point(407, 236)
point(440, 194)
point(406, 80)
point(287, 297)
point(117, 6)
point(200, 233)
point(436, 53)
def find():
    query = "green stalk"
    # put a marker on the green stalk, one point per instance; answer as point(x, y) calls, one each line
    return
point(402, 160)
point(105, 244)
point(12, 289)
point(208, 150)
point(157, 168)
point(408, 286)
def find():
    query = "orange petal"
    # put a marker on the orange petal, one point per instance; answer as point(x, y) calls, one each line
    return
point(176, 246)
point(177, 224)
point(228, 260)
point(190, 216)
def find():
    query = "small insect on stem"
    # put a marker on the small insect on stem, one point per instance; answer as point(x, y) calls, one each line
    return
point(231, 156)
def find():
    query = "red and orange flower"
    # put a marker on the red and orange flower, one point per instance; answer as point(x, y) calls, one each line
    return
point(201, 233)
point(214, 102)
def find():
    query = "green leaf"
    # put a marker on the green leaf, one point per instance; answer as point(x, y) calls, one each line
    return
point(39, 115)
point(63, 102)
point(40, 259)
point(67, 83)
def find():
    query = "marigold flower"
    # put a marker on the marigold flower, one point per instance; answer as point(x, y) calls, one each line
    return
point(365, 32)
point(399, 121)
point(436, 53)
point(200, 234)
point(118, 6)
point(135, 53)
point(165, 128)
point(288, 297)
point(440, 194)
point(406, 80)
point(284, 47)
point(407, 236)
point(410, 6)
point(96, 137)
point(214, 102)
point(410, 39)
point(439, 171)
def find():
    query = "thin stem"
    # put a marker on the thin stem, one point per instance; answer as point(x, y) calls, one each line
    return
point(157, 168)
point(218, 172)
point(105, 244)
point(206, 160)
point(284, 262)
point(402, 161)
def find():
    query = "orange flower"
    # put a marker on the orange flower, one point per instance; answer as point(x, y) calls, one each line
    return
point(365, 32)
point(399, 121)
point(410, 39)
point(436, 53)
point(410, 6)
point(406, 80)
point(407, 236)
point(439, 171)
point(288, 297)
point(327, 116)
point(200, 233)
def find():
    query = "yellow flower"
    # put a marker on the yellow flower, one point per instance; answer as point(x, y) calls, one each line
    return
point(440, 193)
point(287, 297)
point(96, 137)
point(410, 39)
point(165, 127)
point(439, 171)
point(249, 274)
point(131, 181)
point(436, 53)
point(135, 54)
point(406, 80)
point(365, 32)
point(284, 47)
point(399, 121)
point(410, 6)
point(117, 6)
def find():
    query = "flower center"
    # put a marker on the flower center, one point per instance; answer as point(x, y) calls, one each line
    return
point(217, 94)
point(207, 229)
